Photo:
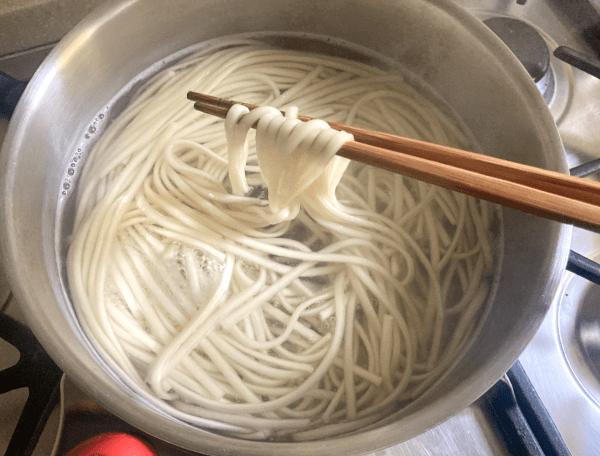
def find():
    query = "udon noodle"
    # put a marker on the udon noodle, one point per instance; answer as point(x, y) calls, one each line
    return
point(271, 293)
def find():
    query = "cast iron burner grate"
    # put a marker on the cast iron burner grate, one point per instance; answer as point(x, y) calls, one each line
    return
point(35, 371)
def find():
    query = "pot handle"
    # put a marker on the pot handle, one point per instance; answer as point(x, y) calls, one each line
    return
point(10, 93)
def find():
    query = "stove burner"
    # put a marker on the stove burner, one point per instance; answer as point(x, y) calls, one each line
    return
point(579, 333)
point(588, 333)
point(525, 42)
point(529, 47)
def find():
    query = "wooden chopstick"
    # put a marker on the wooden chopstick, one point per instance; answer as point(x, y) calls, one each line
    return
point(548, 194)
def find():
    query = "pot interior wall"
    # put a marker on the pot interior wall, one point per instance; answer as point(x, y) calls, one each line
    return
point(436, 40)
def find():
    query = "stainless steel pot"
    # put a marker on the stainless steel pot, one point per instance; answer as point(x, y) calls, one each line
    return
point(435, 39)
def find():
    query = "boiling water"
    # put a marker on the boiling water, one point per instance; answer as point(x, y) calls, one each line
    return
point(295, 41)
point(191, 266)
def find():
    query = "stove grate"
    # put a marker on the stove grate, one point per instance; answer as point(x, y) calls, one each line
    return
point(36, 371)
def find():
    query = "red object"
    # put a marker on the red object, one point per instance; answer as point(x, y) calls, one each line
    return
point(113, 444)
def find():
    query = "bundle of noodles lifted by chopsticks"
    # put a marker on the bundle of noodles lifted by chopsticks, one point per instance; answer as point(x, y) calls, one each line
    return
point(253, 283)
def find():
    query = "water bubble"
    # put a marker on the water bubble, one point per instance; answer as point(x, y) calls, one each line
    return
point(70, 171)
point(92, 129)
point(100, 116)
point(87, 136)
point(66, 186)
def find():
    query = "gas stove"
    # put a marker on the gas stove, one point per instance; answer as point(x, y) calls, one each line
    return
point(557, 379)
